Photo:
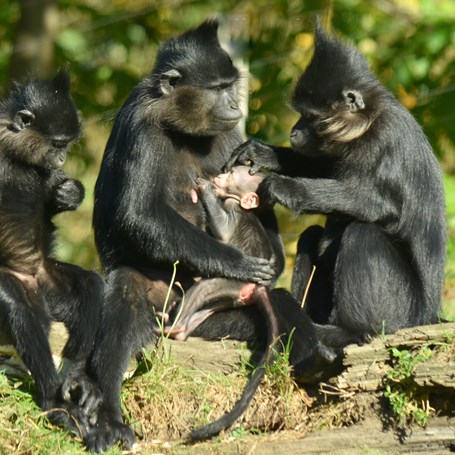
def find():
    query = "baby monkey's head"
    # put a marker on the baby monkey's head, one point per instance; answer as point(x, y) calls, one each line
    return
point(238, 184)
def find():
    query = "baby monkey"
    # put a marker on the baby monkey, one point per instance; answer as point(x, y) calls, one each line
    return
point(228, 202)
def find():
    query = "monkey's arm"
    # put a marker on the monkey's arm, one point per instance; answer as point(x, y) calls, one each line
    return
point(328, 196)
point(283, 160)
point(221, 223)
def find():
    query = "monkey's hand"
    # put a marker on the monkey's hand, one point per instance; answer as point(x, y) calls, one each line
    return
point(202, 185)
point(79, 389)
point(206, 191)
point(84, 393)
point(109, 430)
point(257, 270)
point(267, 190)
point(255, 154)
point(68, 195)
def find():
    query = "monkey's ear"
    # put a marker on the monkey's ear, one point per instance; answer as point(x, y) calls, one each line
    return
point(249, 201)
point(168, 81)
point(62, 79)
point(353, 100)
point(22, 119)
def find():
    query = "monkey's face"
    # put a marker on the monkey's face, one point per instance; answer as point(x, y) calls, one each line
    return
point(195, 84)
point(237, 182)
point(339, 116)
point(304, 137)
point(43, 122)
point(197, 110)
point(337, 97)
point(200, 111)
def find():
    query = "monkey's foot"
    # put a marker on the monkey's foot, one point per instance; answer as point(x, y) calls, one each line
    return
point(69, 416)
point(108, 432)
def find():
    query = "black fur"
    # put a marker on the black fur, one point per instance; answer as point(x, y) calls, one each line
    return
point(38, 122)
point(178, 124)
point(380, 257)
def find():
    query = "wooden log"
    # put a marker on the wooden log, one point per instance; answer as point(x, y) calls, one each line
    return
point(435, 373)
point(223, 356)
point(367, 365)
point(368, 437)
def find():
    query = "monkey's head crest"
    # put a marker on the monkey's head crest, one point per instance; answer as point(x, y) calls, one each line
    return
point(46, 106)
point(334, 68)
point(196, 55)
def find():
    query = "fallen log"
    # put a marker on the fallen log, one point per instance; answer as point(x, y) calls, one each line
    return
point(367, 365)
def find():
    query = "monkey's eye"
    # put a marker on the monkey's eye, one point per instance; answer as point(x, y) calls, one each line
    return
point(59, 143)
point(309, 116)
point(220, 87)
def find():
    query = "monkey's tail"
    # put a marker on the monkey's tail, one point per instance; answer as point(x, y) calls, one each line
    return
point(214, 428)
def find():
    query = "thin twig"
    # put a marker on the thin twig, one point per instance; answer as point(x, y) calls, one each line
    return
point(308, 286)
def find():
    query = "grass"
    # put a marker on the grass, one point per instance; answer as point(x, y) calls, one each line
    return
point(163, 401)
point(24, 428)
point(407, 401)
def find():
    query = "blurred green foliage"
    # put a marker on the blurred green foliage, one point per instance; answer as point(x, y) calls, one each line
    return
point(410, 45)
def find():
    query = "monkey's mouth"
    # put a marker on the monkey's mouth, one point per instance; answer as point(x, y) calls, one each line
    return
point(225, 124)
point(221, 190)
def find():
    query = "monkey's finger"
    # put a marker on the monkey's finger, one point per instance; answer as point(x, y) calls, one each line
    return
point(266, 283)
point(241, 155)
point(264, 272)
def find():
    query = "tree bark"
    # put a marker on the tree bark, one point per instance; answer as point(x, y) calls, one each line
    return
point(33, 48)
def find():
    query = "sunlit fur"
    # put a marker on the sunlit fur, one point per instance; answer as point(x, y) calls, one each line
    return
point(319, 91)
point(38, 122)
point(343, 126)
point(171, 130)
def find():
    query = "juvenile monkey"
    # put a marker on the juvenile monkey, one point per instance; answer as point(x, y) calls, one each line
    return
point(38, 124)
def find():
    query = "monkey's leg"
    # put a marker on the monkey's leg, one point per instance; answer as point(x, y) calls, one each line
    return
point(75, 297)
point(27, 322)
point(126, 326)
point(305, 258)
point(205, 298)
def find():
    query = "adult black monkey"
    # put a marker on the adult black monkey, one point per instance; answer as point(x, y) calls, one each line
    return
point(38, 122)
point(177, 125)
point(380, 258)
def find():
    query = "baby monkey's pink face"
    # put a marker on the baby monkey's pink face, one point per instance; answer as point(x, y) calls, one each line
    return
point(238, 184)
